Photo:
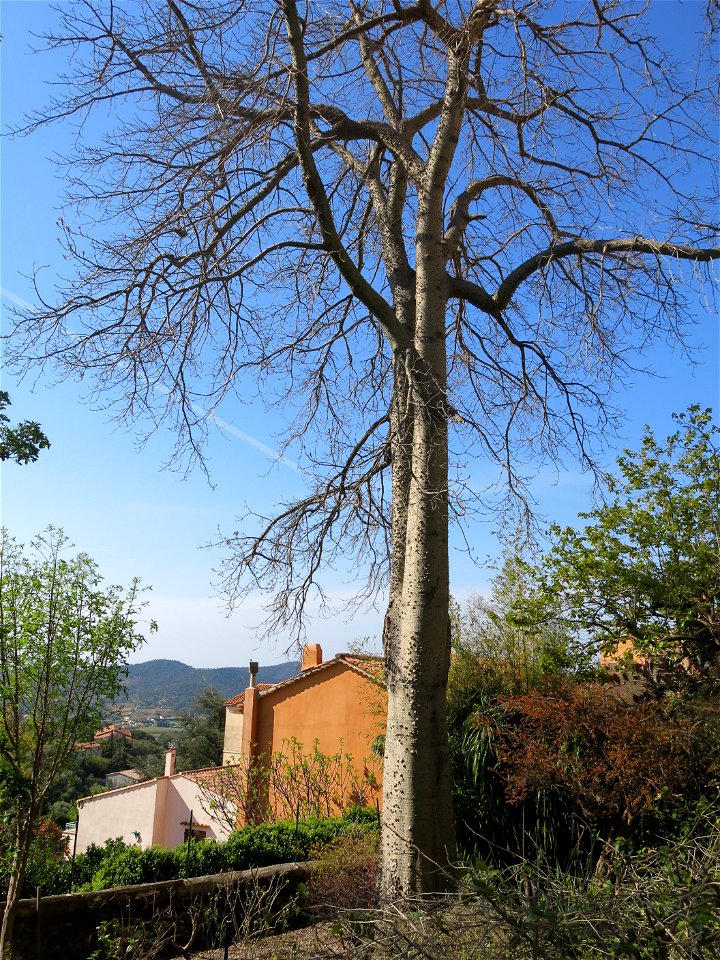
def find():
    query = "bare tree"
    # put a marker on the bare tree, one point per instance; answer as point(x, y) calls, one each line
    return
point(291, 782)
point(414, 223)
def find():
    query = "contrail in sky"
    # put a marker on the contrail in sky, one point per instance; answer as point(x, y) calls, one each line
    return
point(246, 438)
point(220, 424)
point(13, 298)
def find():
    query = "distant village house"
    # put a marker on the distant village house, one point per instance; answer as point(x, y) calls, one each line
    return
point(112, 732)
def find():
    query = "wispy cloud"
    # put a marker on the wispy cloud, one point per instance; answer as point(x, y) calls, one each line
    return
point(14, 298)
point(223, 425)
point(248, 439)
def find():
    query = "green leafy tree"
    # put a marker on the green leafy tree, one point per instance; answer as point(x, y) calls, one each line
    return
point(146, 753)
point(200, 742)
point(23, 442)
point(83, 775)
point(64, 641)
point(515, 636)
point(47, 867)
point(646, 567)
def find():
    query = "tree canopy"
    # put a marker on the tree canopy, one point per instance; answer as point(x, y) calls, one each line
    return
point(200, 740)
point(64, 641)
point(23, 442)
point(645, 568)
point(518, 631)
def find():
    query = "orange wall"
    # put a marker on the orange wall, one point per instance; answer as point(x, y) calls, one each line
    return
point(612, 655)
point(335, 706)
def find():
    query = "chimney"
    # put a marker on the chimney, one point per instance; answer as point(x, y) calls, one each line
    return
point(169, 763)
point(254, 667)
point(312, 656)
point(249, 727)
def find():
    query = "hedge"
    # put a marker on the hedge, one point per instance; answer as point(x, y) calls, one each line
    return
point(118, 864)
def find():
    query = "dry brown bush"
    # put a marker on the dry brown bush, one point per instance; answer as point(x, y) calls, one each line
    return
point(345, 878)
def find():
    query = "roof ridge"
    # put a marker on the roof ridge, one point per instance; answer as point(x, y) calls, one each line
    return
point(346, 658)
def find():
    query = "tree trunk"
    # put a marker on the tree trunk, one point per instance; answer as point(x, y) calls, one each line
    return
point(418, 836)
point(401, 433)
point(23, 830)
point(8, 920)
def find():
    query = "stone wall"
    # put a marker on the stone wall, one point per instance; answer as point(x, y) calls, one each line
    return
point(204, 911)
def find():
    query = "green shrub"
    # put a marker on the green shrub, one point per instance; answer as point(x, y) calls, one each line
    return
point(88, 863)
point(205, 857)
point(117, 864)
point(120, 869)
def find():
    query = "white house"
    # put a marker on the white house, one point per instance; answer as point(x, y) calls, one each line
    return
point(156, 812)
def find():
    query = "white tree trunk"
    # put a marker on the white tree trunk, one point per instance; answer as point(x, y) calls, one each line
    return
point(418, 833)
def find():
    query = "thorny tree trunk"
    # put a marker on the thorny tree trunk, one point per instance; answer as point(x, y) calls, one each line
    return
point(417, 812)
point(418, 830)
point(417, 820)
point(418, 827)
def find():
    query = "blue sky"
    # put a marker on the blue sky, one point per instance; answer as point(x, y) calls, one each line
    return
point(135, 518)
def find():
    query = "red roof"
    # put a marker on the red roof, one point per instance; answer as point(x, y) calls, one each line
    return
point(371, 667)
point(113, 731)
point(239, 699)
point(211, 777)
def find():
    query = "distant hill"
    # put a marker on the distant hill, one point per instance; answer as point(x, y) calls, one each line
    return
point(170, 683)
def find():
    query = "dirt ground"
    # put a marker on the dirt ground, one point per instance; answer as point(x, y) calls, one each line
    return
point(318, 942)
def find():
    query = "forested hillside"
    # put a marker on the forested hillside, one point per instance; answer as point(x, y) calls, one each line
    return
point(172, 684)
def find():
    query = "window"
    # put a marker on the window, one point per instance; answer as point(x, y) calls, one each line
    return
point(197, 834)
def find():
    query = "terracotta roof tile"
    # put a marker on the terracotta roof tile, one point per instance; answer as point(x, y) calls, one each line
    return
point(372, 666)
point(112, 731)
point(206, 775)
point(369, 666)
point(239, 699)
point(209, 776)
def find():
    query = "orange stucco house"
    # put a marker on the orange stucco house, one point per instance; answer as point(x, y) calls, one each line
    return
point(338, 705)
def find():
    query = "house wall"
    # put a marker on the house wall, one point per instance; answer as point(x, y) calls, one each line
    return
point(337, 707)
point(118, 814)
point(183, 796)
point(232, 746)
point(156, 810)
point(611, 656)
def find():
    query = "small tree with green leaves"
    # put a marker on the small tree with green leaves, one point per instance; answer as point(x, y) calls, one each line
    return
point(646, 567)
point(64, 641)
point(200, 741)
point(514, 637)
